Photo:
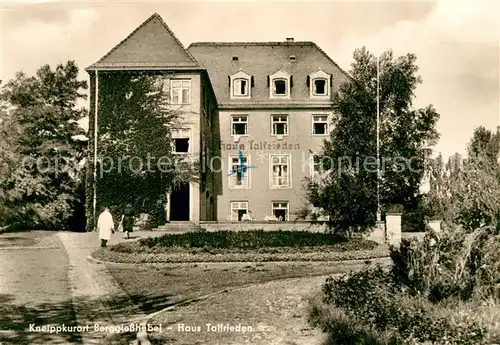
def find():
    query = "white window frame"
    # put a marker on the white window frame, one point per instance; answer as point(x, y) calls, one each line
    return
point(287, 124)
point(237, 87)
point(182, 133)
point(233, 122)
point(272, 184)
point(281, 208)
point(240, 75)
point(181, 88)
point(319, 74)
point(237, 205)
point(279, 75)
point(327, 131)
point(247, 179)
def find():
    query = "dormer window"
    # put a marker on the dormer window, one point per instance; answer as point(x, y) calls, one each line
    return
point(279, 85)
point(240, 85)
point(319, 84)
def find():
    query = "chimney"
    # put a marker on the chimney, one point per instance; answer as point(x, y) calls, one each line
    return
point(289, 39)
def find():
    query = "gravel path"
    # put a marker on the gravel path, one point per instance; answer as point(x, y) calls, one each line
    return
point(276, 312)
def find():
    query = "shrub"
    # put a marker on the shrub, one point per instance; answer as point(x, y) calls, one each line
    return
point(450, 264)
point(256, 239)
point(372, 298)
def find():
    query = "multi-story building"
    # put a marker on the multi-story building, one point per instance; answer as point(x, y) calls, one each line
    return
point(259, 111)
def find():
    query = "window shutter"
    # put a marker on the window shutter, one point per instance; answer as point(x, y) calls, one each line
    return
point(268, 82)
point(291, 81)
point(308, 81)
point(229, 81)
point(331, 81)
point(252, 82)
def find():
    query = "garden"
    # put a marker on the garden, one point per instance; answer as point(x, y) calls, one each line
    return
point(442, 290)
point(247, 246)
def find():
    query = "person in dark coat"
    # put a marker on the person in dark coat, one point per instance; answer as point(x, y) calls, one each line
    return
point(128, 220)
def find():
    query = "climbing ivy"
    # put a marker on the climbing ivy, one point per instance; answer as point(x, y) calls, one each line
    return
point(135, 162)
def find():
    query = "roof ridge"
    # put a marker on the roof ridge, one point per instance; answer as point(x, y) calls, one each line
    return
point(153, 16)
point(255, 43)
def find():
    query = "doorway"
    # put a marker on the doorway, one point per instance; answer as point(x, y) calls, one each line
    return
point(179, 202)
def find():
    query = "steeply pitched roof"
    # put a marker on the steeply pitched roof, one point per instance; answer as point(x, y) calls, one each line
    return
point(261, 59)
point(151, 45)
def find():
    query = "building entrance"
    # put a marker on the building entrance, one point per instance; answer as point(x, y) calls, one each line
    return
point(179, 202)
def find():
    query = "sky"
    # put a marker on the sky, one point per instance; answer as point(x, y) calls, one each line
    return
point(456, 41)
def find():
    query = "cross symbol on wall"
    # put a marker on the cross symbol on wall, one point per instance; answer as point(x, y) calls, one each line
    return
point(241, 167)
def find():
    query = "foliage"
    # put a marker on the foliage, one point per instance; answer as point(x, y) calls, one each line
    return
point(372, 298)
point(467, 191)
point(40, 187)
point(450, 264)
point(348, 195)
point(254, 239)
point(135, 161)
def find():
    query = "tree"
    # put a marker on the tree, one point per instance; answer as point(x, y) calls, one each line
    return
point(136, 163)
point(467, 191)
point(42, 188)
point(350, 152)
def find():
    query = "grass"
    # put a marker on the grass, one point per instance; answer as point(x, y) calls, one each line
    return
point(155, 287)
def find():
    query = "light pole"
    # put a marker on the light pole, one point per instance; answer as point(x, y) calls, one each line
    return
point(379, 213)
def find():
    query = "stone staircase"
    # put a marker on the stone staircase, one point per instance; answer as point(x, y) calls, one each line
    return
point(178, 227)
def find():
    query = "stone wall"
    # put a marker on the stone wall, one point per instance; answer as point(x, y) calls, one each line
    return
point(267, 226)
point(384, 232)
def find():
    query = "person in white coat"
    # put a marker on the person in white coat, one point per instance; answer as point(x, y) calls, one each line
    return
point(105, 226)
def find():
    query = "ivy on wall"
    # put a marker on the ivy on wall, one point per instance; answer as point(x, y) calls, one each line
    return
point(135, 162)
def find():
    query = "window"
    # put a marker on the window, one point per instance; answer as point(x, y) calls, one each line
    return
point(181, 145)
point(319, 84)
point(280, 84)
point(240, 87)
point(238, 210)
point(204, 154)
point(320, 124)
point(319, 87)
point(239, 125)
point(279, 124)
point(180, 91)
point(280, 210)
point(280, 88)
point(280, 171)
point(239, 174)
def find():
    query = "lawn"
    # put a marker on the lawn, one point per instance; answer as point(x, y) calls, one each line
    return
point(248, 246)
point(154, 287)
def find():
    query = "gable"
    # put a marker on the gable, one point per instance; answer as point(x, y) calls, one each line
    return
point(152, 44)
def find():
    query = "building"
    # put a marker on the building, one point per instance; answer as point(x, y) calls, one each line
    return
point(259, 111)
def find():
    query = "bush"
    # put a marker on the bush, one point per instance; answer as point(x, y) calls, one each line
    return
point(450, 264)
point(256, 239)
point(372, 299)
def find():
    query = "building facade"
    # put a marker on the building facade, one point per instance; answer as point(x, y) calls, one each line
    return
point(258, 113)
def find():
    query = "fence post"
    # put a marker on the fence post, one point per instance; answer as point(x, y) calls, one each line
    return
point(393, 228)
point(435, 225)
